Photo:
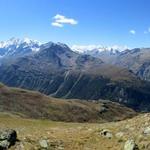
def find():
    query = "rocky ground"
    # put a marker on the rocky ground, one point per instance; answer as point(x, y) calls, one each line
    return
point(131, 134)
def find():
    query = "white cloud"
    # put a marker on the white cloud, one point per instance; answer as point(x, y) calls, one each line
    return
point(56, 24)
point(133, 32)
point(60, 20)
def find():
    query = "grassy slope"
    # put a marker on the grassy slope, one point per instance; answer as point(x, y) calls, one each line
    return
point(76, 136)
point(35, 105)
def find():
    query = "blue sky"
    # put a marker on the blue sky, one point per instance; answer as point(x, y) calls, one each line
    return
point(106, 22)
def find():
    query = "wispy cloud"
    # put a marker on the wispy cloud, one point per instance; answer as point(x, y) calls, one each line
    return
point(132, 32)
point(60, 20)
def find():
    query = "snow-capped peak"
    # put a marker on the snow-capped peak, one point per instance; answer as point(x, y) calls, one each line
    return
point(27, 40)
point(30, 41)
point(12, 41)
point(16, 42)
point(98, 48)
point(17, 47)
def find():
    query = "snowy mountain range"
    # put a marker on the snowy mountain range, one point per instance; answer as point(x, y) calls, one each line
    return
point(20, 47)
point(98, 48)
point(54, 69)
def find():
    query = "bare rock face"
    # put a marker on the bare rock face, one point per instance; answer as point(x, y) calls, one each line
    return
point(7, 138)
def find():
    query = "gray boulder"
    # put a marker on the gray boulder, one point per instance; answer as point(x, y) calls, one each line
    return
point(43, 144)
point(147, 131)
point(130, 145)
point(7, 138)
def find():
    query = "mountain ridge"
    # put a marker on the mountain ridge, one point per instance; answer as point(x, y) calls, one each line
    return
point(29, 104)
point(34, 45)
point(62, 73)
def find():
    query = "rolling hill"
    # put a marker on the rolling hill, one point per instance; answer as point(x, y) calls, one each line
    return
point(30, 104)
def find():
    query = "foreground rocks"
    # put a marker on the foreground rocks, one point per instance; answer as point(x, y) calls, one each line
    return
point(147, 131)
point(7, 138)
point(130, 145)
point(43, 144)
point(130, 134)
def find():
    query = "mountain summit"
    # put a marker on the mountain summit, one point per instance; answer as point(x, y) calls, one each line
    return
point(18, 47)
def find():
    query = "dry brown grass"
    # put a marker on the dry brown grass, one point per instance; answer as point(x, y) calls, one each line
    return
point(77, 136)
point(35, 105)
point(70, 136)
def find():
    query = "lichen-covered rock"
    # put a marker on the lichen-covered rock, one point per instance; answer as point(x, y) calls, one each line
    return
point(9, 135)
point(147, 131)
point(43, 144)
point(7, 138)
point(4, 145)
point(130, 145)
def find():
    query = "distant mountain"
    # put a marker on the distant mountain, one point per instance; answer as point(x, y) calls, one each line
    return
point(136, 60)
point(98, 49)
point(17, 47)
point(105, 53)
point(58, 71)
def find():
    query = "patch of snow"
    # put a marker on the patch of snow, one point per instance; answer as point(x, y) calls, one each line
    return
point(35, 49)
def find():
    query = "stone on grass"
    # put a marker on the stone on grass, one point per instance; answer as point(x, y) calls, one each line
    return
point(7, 138)
point(130, 145)
point(43, 144)
point(147, 131)
point(106, 133)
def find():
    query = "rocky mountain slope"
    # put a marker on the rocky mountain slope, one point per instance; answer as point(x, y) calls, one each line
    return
point(29, 104)
point(105, 53)
point(58, 71)
point(137, 60)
